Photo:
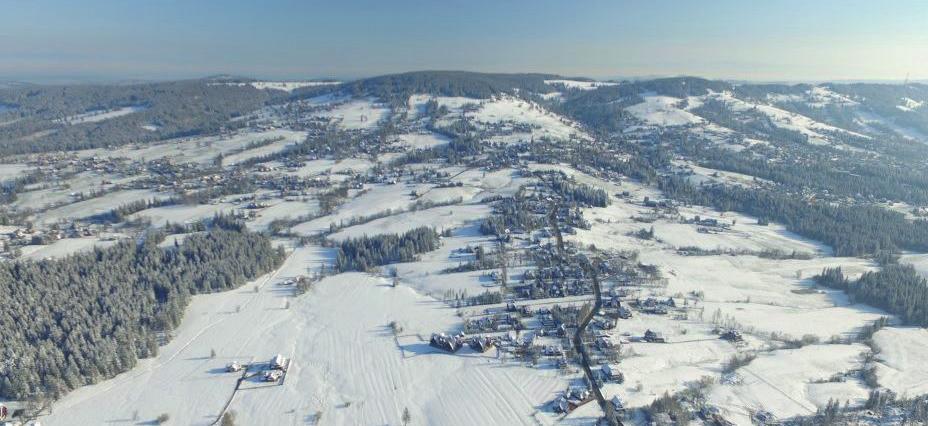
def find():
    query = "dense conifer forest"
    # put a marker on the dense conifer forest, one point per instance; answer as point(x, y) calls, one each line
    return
point(397, 87)
point(78, 320)
point(359, 254)
point(39, 120)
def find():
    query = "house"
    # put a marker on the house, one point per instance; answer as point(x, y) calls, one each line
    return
point(273, 375)
point(604, 342)
point(552, 350)
point(481, 344)
point(624, 313)
point(577, 392)
point(445, 342)
point(617, 404)
point(610, 372)
point(278, 363)
point(732, 335)
point(573, 398)
point(654, 337)
point(712, 415)
point(605, 324)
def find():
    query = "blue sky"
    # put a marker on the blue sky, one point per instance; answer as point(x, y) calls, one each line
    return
point(753, 40)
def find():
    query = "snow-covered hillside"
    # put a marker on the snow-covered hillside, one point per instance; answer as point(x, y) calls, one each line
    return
point(688, 220)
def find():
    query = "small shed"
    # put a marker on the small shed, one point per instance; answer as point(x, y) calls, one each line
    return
point(732, 335)
point(654, 337)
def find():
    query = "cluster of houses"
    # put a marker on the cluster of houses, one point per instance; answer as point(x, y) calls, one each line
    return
point(572, 398)
point(447, 343)
point(495, 322)
point(275, 369)
point(655, 306)
point(453, 343)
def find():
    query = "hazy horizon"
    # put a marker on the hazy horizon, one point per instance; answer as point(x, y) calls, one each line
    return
point(782, 41)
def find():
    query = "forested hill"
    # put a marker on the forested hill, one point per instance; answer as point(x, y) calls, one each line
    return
point(398, 87)
point(78, 320)
point(56, 118)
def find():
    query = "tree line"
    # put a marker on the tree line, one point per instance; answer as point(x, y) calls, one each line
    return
point(360, 254)
point(897, 289)
point(850, 230)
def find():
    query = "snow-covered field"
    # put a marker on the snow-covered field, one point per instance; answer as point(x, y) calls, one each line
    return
point(98, 205)
point(12, 170)
point(62, 248)
point(422, 140)
point(507, 109)
point(285, 86)
point(764, 295)
point(868, 119)
point(918, 260)
point(199, 149)
point(504, 112)
point(100, 115)
point(440, 218)
point(357, 114)
point(901, 359)
point(580, 84)
point(663, 111)
point(182, 213)
point(375, 199)
point(815, 97)
point(792, 382)
point(785, 119)
point(289, 86)
point(909, 104)
point(287, 209)
point(347, 367)
point(63, 192)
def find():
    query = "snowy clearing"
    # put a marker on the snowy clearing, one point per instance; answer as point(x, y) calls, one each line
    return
point(902, 360)
point(580, 84)
point(663, 111)
point(792, 382)
point(346, 365)
point(97, 116)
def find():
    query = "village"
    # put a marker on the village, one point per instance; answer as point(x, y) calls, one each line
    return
point(582, 292)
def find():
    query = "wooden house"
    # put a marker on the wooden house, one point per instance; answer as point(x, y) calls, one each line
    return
point(481, 344)
point(611, 372)
point(445, 342)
